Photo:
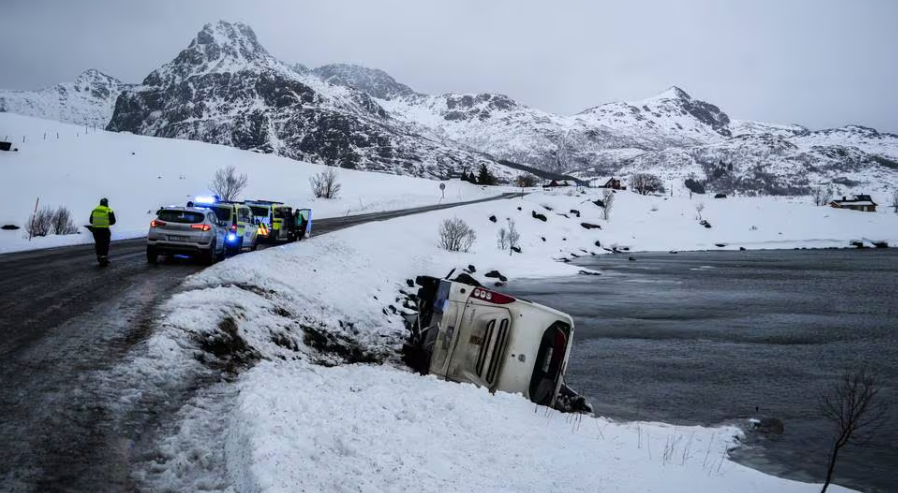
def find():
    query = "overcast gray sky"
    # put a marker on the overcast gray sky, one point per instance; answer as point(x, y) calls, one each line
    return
point(820, 63)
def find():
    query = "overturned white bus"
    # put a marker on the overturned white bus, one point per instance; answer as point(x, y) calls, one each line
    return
point(467, 333)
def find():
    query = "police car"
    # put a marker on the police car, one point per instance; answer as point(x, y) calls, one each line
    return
point(243, 228)
point(193, 231)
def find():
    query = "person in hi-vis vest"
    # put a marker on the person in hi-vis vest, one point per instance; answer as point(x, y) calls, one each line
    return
point(101, 218)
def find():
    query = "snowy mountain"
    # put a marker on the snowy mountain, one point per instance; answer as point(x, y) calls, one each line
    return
point(373, 82)
point(225, 88)
point(88, 100)
point(671, 134)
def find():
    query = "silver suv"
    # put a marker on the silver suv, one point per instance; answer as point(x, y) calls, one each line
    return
point(193, 231)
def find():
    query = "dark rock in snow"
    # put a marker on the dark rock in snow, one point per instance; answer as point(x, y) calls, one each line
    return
point(721, 245)
point(599, 202)
point(541, 217)
point(598, 243)
point(9, 227)
point(516, 249)
point(741, 249)
point(519, 208)
point(632, 259)
point(589, 273)
point(471, 269)
point(590, 226)
point(705, 223)
point(720, 196)
point(410, 283)
point(493, 218)
point(543, 238)
point(575, 212)
point(493, 274)
point(466, 279)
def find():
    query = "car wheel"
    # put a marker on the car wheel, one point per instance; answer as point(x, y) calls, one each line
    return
point(152, 255)
point(210, 257)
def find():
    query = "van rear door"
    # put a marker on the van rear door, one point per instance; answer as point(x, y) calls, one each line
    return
point(479, 352)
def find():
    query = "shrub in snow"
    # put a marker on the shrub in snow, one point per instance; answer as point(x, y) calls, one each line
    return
point(227, 184)
point(699, 207)
point(61, 223)
point(324, 184)
point(502, 239)
point(40, 223)
point(607, 204)
point(456, 235)
point(646, 183)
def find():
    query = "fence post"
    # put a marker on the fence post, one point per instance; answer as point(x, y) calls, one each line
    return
point(33, 217)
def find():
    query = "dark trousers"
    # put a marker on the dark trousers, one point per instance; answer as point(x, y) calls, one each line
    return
point(101, 241)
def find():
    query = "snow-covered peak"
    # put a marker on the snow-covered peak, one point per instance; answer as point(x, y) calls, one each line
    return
point(235, 40)
point(95, 77)
point(220, 47)
point(672, 92)
point(373, 82)
point(87, 100)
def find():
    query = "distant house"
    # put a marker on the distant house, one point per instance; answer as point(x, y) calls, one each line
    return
point(861, 203)
point(611, 183)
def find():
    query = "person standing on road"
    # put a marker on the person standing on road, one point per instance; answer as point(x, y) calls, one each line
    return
point(101, 218)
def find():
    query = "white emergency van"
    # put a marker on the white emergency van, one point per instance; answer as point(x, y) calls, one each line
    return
point(468, 333)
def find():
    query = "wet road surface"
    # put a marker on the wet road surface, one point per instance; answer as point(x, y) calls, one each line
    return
point(66, 422)
point(705, 338)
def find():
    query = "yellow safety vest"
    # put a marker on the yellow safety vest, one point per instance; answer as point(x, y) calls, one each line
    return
point(100, 216)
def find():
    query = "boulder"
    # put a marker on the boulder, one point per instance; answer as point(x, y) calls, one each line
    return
point(590, 226)
point(410, 283)
point(770, 426)
point(9, 227)
point(543, 237)
point(741, 249)
point(471, 269)
point(493, 218)
point(720, 245)
point(541, 217)
point(598, 243)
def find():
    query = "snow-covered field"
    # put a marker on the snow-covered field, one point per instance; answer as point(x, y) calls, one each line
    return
point(300, 417)
point(138, 174)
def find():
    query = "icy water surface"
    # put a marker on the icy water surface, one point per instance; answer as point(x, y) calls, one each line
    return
point(708, 338)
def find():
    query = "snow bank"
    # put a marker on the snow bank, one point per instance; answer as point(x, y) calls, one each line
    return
point(364, 428)
point(138, 174)
point(289, 321)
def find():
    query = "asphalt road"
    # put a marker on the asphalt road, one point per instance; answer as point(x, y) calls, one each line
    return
point(63, 320)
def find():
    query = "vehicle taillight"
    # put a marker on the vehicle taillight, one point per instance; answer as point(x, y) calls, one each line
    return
point(492, 296)
point(201, 227)
point(234, 228)
point(155, 223)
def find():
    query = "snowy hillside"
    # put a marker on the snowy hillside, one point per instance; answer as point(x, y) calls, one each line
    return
point(225, 88)
point(138, 174)
point(88, 100)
